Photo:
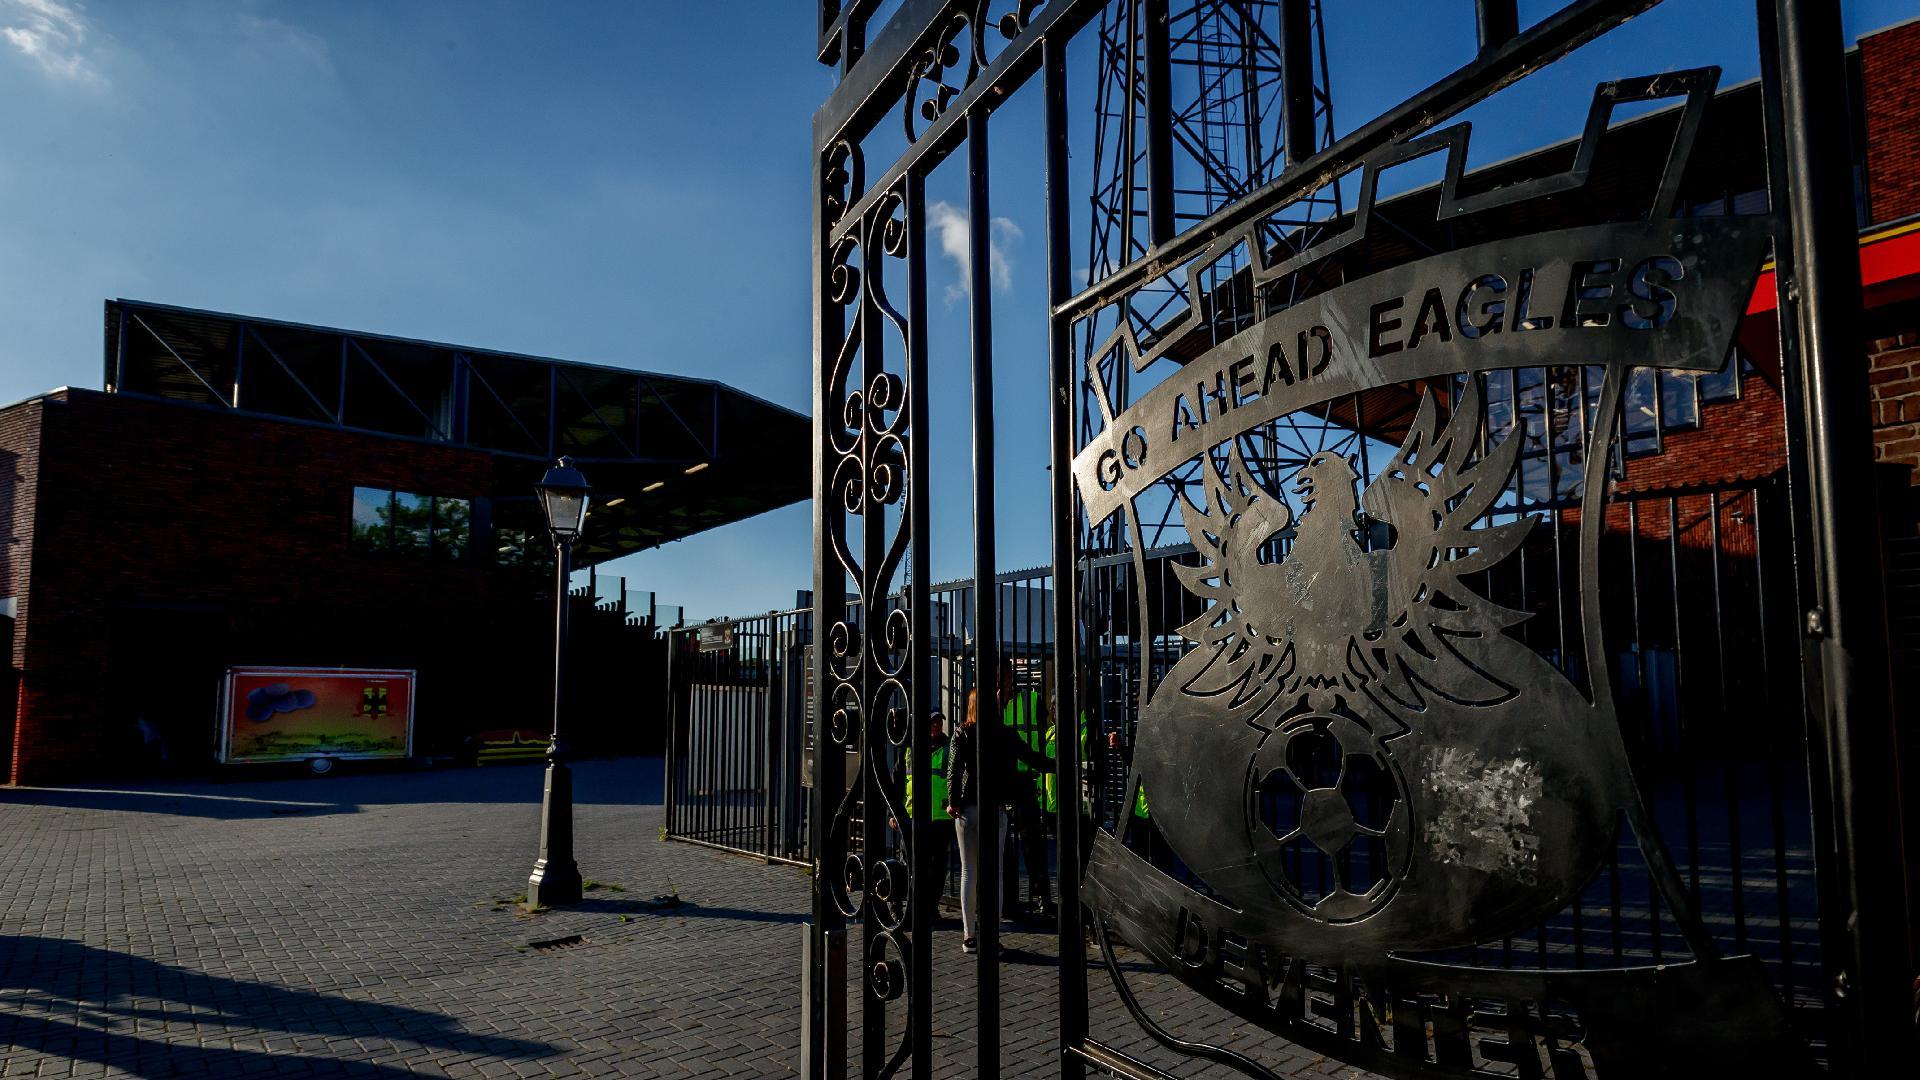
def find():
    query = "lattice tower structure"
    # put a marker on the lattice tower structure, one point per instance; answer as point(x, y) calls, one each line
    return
point(1229, 125)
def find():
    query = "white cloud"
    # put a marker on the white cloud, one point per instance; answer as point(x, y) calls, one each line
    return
point(284, 42)
point(953, 224)
point(51, 34)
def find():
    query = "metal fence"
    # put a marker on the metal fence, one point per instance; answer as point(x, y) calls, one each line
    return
point(1701, 652)
point(736, 745)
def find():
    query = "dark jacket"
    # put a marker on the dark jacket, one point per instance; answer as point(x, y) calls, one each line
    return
point(963, 769)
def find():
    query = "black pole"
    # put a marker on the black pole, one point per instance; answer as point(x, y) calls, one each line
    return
point(1066, 532)
point(1845, 626)
point(986, 610)
point(556, 877)
point(1296, 80)
point(1158, 77)
point(922, 683)
point(1498, 22)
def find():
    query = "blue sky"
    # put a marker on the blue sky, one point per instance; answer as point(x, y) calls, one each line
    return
point(617, 183)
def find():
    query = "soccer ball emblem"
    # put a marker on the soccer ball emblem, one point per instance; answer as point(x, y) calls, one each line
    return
point(1328, 817)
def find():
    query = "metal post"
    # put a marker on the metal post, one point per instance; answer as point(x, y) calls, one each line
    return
point(556, 877)
point(1066, 532)
point(824, 1052)
point(1845, 626)
point(1498, 21)
point(926, 894)
point(1159, 92)
point(1296, 79)
point(669, 771)
point(986, 624)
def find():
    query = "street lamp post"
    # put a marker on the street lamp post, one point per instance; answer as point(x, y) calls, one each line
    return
point(556, 877)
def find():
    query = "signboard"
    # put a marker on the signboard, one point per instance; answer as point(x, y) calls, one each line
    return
point(713, 637)
point(296, 714)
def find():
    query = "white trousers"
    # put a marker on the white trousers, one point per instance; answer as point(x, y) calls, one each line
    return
point(970, 823)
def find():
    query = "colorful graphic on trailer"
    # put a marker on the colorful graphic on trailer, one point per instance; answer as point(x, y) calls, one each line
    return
point(291, 714)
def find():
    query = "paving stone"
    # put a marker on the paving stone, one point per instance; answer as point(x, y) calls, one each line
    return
point(363, 925)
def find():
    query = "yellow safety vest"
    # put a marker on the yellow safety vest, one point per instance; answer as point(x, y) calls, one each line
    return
point(1022, 714)
point(937, 765)
point(1050, 782)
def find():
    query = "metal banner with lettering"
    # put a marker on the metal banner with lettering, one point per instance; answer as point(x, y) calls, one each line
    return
point(1666, 294)
point(1355, 701)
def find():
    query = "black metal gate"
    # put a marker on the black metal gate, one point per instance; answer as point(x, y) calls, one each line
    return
point(1478, 726)
point(735, 770)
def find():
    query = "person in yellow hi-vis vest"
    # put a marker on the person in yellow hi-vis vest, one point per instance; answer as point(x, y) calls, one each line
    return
point(931, 861)
point(1020, 710)
point(1051, 784)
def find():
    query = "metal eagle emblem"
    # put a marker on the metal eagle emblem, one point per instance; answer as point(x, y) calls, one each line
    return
point(1331, 668)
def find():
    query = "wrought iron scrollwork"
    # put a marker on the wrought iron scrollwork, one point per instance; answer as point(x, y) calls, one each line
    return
point(869, 652)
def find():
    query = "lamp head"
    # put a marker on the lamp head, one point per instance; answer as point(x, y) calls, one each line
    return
point(563, 496)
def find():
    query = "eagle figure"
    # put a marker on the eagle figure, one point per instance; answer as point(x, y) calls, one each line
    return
point(1353, 700)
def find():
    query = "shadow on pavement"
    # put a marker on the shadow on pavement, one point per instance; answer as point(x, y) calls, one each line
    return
point(102, 997)
point(611, 782)
point(686, 909)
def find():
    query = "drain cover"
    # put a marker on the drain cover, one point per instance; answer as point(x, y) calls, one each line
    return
point(566, 942)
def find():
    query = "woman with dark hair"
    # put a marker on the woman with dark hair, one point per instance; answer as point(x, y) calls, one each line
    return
point(976, 825)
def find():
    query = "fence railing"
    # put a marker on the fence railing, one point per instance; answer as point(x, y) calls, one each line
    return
point(736, 741)
point(1692, 627)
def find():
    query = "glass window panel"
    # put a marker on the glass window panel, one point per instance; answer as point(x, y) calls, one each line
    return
point(1679, 405)
point(1530, 405)
point(1499, 405)
point(412, 522)
point(1642, 413)
point(1723, 385)
point(372, 516)
point(1569, 477)
point(452, 522)
point(1567, 397)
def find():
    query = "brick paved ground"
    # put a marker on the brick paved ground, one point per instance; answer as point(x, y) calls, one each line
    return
point(362, 926)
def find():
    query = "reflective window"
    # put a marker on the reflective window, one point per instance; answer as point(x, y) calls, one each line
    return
point(409, 523)
point(451, 524)
point(412, 522)
point(372, 511)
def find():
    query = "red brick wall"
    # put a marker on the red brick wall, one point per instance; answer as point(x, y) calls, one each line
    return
point(1895, 378)
point(1738, 441)
point(19, 473)
point(1890, 68)
point(171, 542)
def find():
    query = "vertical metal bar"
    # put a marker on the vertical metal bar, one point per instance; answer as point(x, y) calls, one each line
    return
point(986, 624)
point(1777, 751)
point(1847, 624)
point(1296, 79)
point(1159, 101)
point(669, 794)
point(1731, 767)
point(1646, 695)
point(920, 685)
point(825, 1054)
point(1689, 759)
point(874, 745)
point(1498, 22)
point(1129, 137)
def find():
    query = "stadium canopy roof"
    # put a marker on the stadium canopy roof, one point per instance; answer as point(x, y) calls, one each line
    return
point(668, 456)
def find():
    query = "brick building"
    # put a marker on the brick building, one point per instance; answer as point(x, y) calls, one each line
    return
point(340, 500)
